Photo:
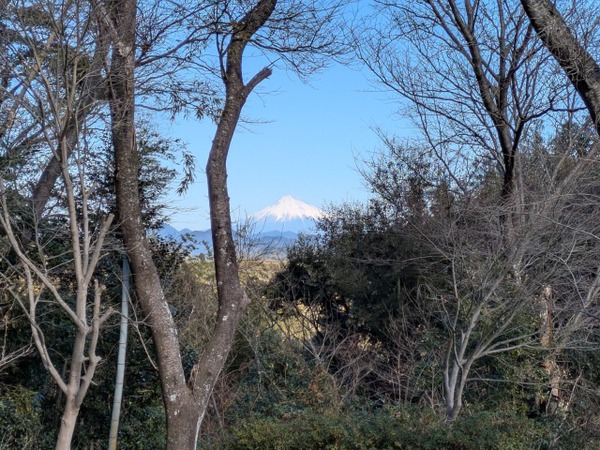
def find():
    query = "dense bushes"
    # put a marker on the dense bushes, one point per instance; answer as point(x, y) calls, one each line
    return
point(392, 428)
point(275, 395)
point(352, 345)
point(20, 415)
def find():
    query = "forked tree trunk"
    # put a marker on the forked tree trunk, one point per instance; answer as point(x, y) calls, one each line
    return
point(455, 380)
point(185, 401)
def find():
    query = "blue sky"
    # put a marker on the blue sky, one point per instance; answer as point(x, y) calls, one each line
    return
point(305, 143)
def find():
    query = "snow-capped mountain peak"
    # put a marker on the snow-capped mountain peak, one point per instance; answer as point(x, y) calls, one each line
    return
point(289, 208)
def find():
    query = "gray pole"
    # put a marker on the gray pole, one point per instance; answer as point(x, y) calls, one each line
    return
point(116, 411)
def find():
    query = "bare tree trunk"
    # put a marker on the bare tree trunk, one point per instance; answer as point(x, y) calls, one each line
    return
point(180, 406)
point(232, 298)
point(581, 68)
point(454, 388)
point(67, 425)
point(185, 403)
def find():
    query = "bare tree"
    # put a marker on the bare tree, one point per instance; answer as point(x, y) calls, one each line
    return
point(483, 306)
point(66, 50)
point(583, 72)
point(39, 38)
point(490, 298)
point(540, 294)
point(41, 287)
point(473, 74)
point(578, 64)
point(46, 98)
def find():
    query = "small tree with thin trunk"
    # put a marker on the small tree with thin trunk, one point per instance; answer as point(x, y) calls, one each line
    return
point(40, 285)
point(47, 97)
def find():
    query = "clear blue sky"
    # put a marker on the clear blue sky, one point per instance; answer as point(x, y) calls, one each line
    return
point(306, 145)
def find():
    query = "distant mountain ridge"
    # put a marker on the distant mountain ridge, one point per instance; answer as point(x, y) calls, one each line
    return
point(273, 228)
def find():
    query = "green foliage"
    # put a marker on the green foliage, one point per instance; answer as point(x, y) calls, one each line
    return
point(388, 428)
point(157, 155)
point(143, 429)
point(20, 417)
point(358, 271)
point(273, 377)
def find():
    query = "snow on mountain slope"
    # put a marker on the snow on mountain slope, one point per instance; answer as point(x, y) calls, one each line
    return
point(288, 208)
point(276, 226)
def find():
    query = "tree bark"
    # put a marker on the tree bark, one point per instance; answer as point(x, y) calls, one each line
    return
point(180, 407)
point(185, 402)
point(579, 66)
point(67, 426)
point(232, 298)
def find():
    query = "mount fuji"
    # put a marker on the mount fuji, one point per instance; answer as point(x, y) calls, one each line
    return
point(288, 215)
point(274, 227)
